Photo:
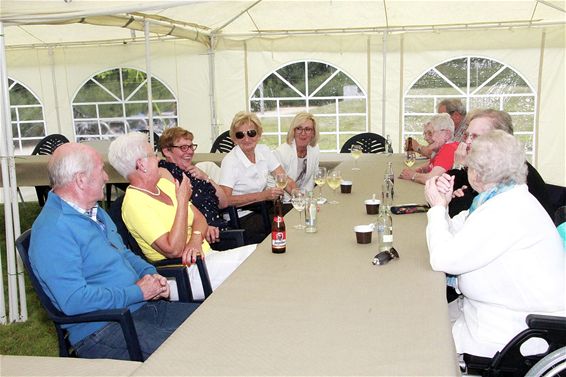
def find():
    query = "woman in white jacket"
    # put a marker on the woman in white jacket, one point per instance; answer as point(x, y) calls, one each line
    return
point(299, 156)
point(505, 250)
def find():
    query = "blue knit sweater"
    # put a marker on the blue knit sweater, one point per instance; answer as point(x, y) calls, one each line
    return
point(82, 267)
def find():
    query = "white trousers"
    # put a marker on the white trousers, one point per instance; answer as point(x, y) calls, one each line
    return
point(220, 265)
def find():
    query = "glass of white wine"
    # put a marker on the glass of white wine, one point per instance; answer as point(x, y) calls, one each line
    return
point(410, 158)
point(320, 180)
point(281, 180)
point(356, 152)
point(334, 178)
point(298, 201)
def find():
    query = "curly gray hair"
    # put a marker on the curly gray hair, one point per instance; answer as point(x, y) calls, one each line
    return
point(498, 158)
point(126, 150)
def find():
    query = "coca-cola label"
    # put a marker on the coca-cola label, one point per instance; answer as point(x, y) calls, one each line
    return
point(278, 239)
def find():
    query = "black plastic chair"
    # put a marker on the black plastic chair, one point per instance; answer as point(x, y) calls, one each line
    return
point(168, 267)
point(47, 146)
point(509, 361)
point(369, 141)
point(223, 143)
point(122, 316)
point(261, 208)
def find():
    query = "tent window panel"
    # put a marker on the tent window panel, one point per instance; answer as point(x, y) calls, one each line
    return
point(519, 104)
point(30, 113)
point(21, 96)
point(527, 140)
point(29, 144)
point(415, 123)
point(431, 83)
point(291, 107)
point(295, 75)
point(318, 73)
point(84, 111)
point(353, 123)
point(456, 71)
point(327, 142)
point(316, 87)
point(164, 108)
point(272, 141)
point(339, 85)
point(35, 130)
point(484, 103)
point(481, 70)
point(323, 106)
point(419, 105)
point(352, 105)
point(110, 110)
point(111, 81)
point(523, 122)
point(285, 124)
point(263, 106)
point(120, 104)
point(326, 124)
point(269, 124)
point(507, 82)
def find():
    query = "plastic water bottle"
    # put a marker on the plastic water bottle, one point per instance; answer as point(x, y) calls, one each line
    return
point(384, 227)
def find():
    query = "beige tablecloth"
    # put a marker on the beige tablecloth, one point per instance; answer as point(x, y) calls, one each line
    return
point(322, 308)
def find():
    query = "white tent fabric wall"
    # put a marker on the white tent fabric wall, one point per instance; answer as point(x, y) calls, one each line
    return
point(257, 37)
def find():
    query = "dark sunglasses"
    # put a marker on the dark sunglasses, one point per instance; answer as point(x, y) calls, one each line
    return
point(185, 147)
point(385, 256)
point(250, 133)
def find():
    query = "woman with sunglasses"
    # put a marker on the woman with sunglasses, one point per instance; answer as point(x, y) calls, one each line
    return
point(177, 146)
point(245, 170)
point(157, 212)
point(300, 155)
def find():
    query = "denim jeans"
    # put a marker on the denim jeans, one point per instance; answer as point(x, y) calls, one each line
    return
point(154, 322)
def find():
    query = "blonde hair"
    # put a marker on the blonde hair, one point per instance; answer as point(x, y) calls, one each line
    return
point(244, 117)
point(298, 120)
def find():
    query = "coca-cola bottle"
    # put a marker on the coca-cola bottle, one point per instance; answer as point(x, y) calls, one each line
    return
point(278, 232)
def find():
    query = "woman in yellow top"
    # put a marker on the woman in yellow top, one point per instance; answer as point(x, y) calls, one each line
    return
point(158, 214)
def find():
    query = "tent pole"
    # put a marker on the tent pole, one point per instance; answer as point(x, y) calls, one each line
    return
point(212, 91)
point(149, 89)
point(384, 84)
point(11, 214)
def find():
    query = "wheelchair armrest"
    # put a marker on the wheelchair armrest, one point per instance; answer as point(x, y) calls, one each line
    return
point(539, 321)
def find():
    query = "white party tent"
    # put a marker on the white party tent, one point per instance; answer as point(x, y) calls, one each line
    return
point(374, 65)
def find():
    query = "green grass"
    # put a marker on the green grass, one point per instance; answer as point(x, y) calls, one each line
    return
point(37, 335)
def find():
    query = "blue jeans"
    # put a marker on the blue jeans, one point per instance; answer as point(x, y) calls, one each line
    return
point(154, 322)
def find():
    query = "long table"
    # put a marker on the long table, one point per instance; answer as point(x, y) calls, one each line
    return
point(322, 308)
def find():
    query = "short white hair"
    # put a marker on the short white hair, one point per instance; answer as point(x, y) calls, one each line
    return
point(498, 158)
point(64, 165)
point(442, 122)
point(126, 150)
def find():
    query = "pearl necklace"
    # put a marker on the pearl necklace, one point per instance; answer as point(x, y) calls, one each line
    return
point(147, 191)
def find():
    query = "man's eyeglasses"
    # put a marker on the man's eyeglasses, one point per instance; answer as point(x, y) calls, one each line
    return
point(186, 147)
point(385, 256)
point(472, 137)
point(304, 130)
point(250, 133)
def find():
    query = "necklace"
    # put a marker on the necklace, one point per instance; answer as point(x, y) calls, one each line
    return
point(147, 191)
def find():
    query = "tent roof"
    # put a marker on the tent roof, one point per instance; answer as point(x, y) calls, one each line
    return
point(30, 22)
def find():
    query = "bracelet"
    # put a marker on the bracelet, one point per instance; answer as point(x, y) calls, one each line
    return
point(197, 232)
point(414, 176)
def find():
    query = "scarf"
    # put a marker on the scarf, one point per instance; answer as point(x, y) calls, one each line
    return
point(483, 197)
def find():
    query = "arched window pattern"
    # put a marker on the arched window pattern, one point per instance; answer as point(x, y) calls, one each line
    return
point(28, 124)
point(480, 83)
point(115, 102)
point(335, 99)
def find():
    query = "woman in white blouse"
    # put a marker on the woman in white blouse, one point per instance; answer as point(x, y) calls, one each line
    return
point(300, 155)
point(504, 250)
point(245, 170)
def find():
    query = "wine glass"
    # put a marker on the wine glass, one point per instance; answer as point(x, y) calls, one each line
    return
point(356, 152)
point(320, 180)
point(281, 180)
point(410, 158)
point(333, 180)
point(298, 201)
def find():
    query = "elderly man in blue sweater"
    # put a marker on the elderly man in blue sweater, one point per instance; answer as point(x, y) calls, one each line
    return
point(83, 265)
